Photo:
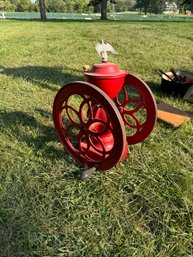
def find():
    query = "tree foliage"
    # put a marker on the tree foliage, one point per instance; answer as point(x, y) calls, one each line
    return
point(124, 5)
point(157, 6)
point(153, 6)
point(187, 5)
point(50, 5)
point(102, 6)
point(6, 5)
point(23, 5)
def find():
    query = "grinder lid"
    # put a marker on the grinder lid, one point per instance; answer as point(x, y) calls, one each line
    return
point(105, 70)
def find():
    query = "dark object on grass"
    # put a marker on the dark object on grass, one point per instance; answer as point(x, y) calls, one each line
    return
point(177, 79)
point(183, 87)
point(165, 74)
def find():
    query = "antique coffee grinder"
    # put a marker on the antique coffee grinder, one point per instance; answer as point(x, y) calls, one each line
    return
point(98, 119)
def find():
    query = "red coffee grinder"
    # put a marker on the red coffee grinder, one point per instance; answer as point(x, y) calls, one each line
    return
point(97, 120)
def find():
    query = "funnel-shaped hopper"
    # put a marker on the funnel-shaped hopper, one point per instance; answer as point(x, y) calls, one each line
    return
point(107, 77)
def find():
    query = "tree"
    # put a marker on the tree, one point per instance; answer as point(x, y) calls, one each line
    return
point(157, 6)
point(103, 4)
point(23, 5)
point(75, 6)
point(42, 10)
point(187, 4)
point(6, 5)
point(55, 6)
point(80, 6)
point(152, 6)
point(104, 10)
point(124, 5)
point(143, 5)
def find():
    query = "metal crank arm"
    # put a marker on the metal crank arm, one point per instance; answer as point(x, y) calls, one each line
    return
point(87, 173)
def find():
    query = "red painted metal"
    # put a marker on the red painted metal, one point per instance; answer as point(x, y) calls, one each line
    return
point(96, 121)
point(137, 107)
point(107, 77)
point(89, 125)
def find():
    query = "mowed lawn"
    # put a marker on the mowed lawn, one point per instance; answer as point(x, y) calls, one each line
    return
point(142, 207)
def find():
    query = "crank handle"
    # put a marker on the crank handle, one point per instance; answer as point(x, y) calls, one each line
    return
point(87, 173)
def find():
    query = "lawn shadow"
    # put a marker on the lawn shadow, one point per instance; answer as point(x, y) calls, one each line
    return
point(43, 76)
point(15, 209)
point(24, 127)
point(155, 88)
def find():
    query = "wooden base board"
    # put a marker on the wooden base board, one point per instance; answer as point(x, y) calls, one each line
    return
point(172, 115)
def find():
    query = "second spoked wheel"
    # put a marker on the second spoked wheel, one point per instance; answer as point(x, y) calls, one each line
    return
point(89, 125)
point(138, 109)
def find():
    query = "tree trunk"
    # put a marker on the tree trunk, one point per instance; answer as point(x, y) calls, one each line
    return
point(42, 10)
point(104, 10)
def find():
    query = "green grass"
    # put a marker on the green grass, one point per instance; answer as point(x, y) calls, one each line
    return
point(142, 207)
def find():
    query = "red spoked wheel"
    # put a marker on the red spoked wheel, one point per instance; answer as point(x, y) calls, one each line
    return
point(138, 108)
point(89, 125)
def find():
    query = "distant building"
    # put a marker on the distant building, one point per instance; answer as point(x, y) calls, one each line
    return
point(171, 8)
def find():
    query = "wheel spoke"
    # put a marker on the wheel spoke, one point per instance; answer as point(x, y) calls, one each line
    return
point(73, 115)
point(129, 109)
point(138, 106)
point(97, 145)
point(86, 112)
point(73, 131)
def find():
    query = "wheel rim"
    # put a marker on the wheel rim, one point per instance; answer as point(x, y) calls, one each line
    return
point(89, 125)
point(138, 109)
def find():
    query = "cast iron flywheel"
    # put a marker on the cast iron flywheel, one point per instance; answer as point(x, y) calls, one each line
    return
point(138, 109)
point(89, 125)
